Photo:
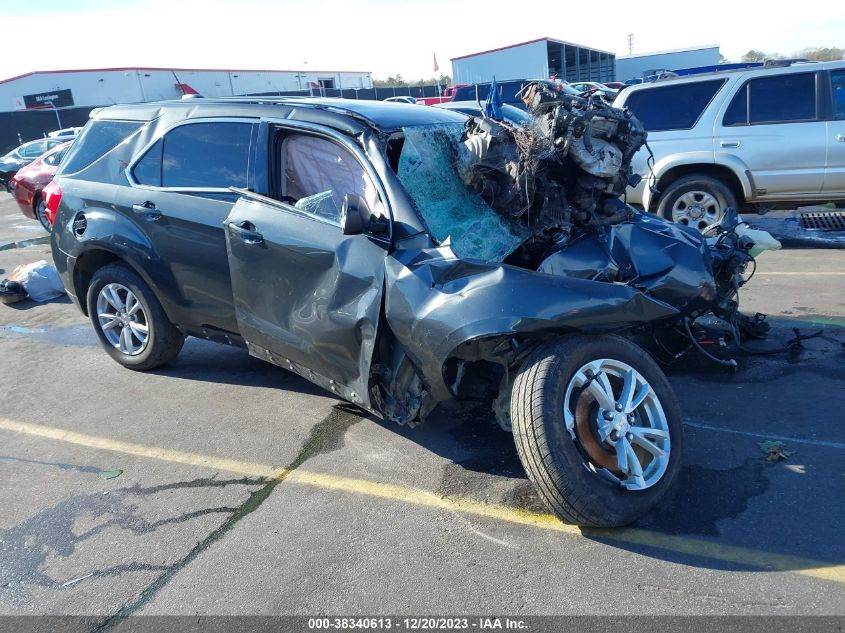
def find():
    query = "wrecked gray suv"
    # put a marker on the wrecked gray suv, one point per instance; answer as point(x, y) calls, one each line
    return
point(404, 257)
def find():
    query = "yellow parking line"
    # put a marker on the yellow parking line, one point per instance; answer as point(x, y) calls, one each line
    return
point(405, 494)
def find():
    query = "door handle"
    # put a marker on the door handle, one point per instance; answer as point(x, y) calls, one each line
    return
point(246, 231)
point(840, 137)
point(730, 143)
point(148, 210)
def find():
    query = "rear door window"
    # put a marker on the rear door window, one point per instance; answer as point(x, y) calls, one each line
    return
point(98, 138)
point(205, 155)
point(774, 99)
point(673, 107)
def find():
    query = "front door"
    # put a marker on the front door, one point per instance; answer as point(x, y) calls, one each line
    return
point(307, 297)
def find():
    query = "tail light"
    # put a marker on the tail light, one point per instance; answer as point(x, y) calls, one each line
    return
point(52, 195)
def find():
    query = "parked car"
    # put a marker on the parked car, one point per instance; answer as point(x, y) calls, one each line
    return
point(593, 86)
point(614, 85)
point(448, 95)
point(336, 239)
point(513, 115)
point(67, 133)
point(401, 99)
point(30, 181)
point(752, 139)
point(22, 156)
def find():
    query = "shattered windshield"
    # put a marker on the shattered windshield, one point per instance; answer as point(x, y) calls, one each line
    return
point(427, 169)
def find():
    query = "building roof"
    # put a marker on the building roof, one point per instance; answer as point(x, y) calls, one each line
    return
point(179, 70)
point(539, 39)
point(669, 52)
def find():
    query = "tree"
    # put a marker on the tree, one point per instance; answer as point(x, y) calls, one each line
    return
point(397, 81)
point(754, 56)
point(722, 59)
point(390, 82)
point(822, 54)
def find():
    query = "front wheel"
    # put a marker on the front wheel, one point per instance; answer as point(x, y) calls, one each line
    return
point(597, 428)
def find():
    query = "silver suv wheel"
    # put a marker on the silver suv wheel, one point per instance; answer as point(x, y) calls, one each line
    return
point(698, 209)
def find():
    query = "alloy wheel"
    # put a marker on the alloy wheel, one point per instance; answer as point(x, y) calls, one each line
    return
point(41, 215)
point(618, 423)
point(122, 319)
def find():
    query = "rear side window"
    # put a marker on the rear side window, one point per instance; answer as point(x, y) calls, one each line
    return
point(838, 79)
point(676, 107)
point(777, 99)
point(198, 155)
point(98, 138)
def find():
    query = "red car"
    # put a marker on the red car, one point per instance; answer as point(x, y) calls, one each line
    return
point(28, 184)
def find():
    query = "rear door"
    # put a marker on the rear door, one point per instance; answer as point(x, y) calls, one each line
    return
point(180, 199)
point(307, 297)
point(774, 124)
point(834, 175)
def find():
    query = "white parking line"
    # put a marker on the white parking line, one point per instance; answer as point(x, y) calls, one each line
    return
point(766, 436)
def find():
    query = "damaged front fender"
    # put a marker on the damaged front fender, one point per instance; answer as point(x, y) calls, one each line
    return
point(436, 302)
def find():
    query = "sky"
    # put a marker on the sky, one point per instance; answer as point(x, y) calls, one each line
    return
point(382, 36)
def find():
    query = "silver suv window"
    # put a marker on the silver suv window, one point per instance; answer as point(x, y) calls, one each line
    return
point(673, 107)
point(838, 82)
point(773, 99)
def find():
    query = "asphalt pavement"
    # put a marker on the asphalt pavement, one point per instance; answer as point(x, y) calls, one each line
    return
point(244, 489)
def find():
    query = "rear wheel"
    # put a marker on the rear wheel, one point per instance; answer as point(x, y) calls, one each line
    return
point(41, 214)
point(697, 201)
point(130, 321)
point(597, 428)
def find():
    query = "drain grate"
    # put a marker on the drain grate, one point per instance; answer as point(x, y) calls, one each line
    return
point(829, 221)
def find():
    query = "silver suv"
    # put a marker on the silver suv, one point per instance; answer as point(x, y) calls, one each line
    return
point(756, 140)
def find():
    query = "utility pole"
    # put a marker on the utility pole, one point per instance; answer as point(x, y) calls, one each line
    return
point(630, 43)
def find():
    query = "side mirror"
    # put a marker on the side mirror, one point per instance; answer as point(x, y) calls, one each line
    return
point(354, 214)
point(356, 217)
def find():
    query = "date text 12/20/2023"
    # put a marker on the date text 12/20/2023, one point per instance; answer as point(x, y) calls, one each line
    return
point(417, 623)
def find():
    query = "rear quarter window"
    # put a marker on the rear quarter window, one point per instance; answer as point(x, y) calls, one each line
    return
point(674, 107)
point(98, 138)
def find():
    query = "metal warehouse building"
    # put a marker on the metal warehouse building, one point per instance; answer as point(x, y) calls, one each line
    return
point(644, 64)
point(106, 86)
point(537, 59)
point(35, 103)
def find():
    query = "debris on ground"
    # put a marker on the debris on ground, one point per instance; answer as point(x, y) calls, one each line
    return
point(40, 280)
point(11, 292)
point(775, 450)
point(110, 474)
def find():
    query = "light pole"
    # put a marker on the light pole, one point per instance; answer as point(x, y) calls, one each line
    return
point(56, 110)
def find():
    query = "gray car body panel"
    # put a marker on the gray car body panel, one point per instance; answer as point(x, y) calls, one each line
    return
point(436, 302)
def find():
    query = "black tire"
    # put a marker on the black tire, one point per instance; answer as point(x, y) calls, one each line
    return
point(555, 461)
point(39, 209)
point(697, 184)
point(164, 340)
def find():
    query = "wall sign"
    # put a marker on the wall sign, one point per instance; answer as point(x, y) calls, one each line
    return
point(59, 98)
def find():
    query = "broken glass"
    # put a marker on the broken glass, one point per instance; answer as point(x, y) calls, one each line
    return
point(448, 206)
